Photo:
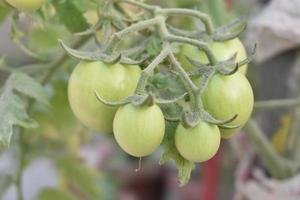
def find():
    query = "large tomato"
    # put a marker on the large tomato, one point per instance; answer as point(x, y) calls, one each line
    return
point(26, 5)
point(222, 51)
point(226, 96)
point(139, 130)
point(198, 144)
point(112, 81)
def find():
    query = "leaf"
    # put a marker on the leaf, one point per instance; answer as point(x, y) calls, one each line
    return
point(184, 166)
point(52, 193)
point(70, 16)
point(13, 108)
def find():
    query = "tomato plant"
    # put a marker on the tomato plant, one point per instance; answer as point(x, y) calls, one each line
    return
point(26, 5)
point(139, 130)
point(198, 144)
point(222, 50)
point(113, 82)
point(226, 96)
point(133, 87)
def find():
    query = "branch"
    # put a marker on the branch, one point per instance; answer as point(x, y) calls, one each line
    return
point(278, 103)
point(202, 45)
point(133, 28)
point(140, 5)
point(278, 166)
point(193, 13)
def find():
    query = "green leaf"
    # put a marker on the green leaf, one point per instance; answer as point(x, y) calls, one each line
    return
point(70, 16)
point(83, 178)
point(184, 166)
point(52, 193)
point(13, 108)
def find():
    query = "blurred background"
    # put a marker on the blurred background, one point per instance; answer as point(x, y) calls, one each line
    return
point(65, 160)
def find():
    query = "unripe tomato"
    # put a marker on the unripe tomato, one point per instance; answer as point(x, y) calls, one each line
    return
point(26, 5)
point(198, 144)
point(226, 96)
point(139, 130)
point(222, 51)
point(112, 81)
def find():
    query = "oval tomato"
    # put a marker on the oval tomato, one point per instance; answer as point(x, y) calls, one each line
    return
point(226, 96)
point(139, 130)
point(198, 144)
point(26, 5)
point(222, 51)
point(112, 81)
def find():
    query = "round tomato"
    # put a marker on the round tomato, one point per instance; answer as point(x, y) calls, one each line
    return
point(198, 144)
point(26, 5)
point(112, 81)
point(222, 51)
point(226, 96)
point(139, 130)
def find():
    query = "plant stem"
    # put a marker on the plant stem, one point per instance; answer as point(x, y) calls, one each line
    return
point(279, 167)
point(278, 103)
point(149, 69)
point(52, 69)
point(188, 12)
point(133, 28)
point(21, 164)
point(140, 5)
point(202, 45)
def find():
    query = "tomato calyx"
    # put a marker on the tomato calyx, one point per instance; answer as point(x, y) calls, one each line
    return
point(100, 55)
point(225, 32)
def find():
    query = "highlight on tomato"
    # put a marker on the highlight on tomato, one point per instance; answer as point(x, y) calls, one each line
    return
point(112, 81)
point(226, 96)
point(198, 144)
point(139, 130)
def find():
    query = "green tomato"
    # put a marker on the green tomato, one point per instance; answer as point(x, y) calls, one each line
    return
point(139, 130)
point(198, 144)
point(226, 96)
point(222, 51)
point(112, 81)
point(26, 5)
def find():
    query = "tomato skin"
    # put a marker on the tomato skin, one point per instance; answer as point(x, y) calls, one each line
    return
point(26, 5)
point(112, 82)
point(198, 144)
point(139, 130)
point(226, 96)
point(222, 51)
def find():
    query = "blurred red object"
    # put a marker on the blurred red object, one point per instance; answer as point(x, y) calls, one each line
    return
point(210, 177)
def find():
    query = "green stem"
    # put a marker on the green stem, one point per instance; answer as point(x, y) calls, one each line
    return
point(202, 45)
point(19, 173)
point(279, 167)
point(117, 37)
point(140, 5)
point(188, 12)
point(217, 9)
point(53, 67)
point(149, 69)
point(278, 103)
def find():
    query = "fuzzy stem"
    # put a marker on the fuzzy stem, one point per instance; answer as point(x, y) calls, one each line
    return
point(188, 12)
point(202, 45)
point(140, 5)
point(117, 37)
point(148, 71)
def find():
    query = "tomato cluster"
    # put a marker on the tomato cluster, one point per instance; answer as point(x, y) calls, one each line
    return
point(26, 5)
point(139, 130)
